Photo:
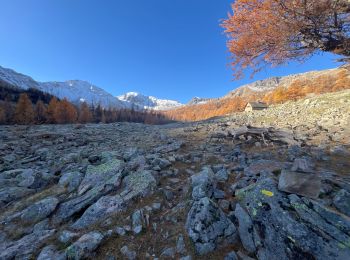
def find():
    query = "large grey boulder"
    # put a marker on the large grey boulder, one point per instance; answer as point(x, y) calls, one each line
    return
point(287, 228)
point(342, 201)
point(39, 210)
point(208, 226)
point(85, 246)
point(203, 183)
point(99, 174)
point(245, 229)
point(26, 246)
point(69, 208)
point(137, 184)
point(305, 184)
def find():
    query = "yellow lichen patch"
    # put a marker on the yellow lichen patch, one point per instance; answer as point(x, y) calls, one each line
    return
point(267, 193)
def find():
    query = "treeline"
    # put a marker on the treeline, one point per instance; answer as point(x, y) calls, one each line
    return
point(210, 109)
point(299, 88)
point(24, 111)
point(11, 94)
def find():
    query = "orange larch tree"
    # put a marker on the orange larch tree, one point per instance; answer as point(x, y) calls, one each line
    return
point(262, 32)
point(24, 113)
point(65, 112)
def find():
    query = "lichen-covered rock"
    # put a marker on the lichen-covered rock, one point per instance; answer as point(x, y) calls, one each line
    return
point(208, 226)
point(99, 174)
point(84, 246)
point(283, 234)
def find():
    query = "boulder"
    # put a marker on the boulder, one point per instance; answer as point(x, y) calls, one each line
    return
point(85, 246)
point(203, 184)
point(27, 245)
point(50, 253)
point(304, 184)
point(39, 210)
point(9, 194)
point(180, 245)
point(221, 175)
point(342, 202)
point(127, 253)
point(208, 226)
point(137, 184)
point(69, 208)
point(245, 229)
point(281, 232)
point(99, 174)
point(71, 180)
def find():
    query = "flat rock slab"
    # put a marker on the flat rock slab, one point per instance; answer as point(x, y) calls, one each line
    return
point(304, 184)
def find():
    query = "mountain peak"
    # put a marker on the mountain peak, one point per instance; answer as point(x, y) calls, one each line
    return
point(148, 102)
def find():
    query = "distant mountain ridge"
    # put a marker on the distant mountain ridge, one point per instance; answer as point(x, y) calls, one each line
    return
point(77, 91)
point(148, 102)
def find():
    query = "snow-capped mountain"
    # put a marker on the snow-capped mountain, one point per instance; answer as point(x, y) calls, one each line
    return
point(78, 91)
point(75, 91)
point(15, 79)
point(148, 102)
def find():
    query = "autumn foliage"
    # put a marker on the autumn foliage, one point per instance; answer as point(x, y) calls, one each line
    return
point(262, 32)
point(210, 109)
point(24, 113)
point(297, 89)
point(300, 88)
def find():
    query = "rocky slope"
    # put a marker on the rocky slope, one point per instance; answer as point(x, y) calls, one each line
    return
point(267, 85)
point(272, 184)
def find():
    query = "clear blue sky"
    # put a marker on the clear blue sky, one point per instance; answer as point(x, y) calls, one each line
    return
point(169, 49)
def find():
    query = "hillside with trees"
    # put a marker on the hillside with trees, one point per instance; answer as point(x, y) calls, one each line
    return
point(300, 87)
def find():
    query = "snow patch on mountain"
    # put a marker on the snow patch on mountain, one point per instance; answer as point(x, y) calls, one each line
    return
point(78, 91)
point(148, 102)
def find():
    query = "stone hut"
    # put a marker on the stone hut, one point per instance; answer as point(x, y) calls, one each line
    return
point(251, 106)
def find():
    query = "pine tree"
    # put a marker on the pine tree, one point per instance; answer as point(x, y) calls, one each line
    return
point(24, 113)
